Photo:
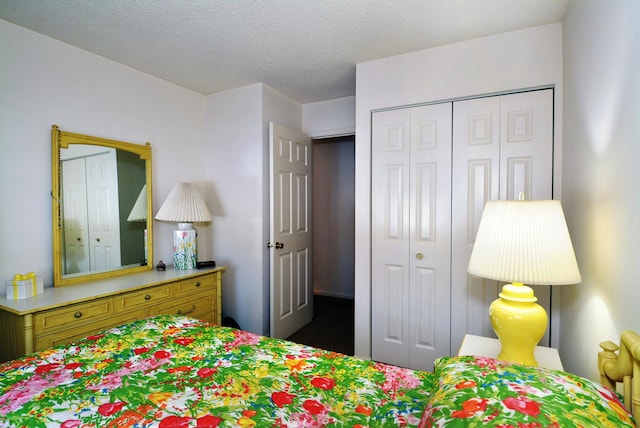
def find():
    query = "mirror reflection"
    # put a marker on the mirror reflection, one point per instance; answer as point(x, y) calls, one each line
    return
point(102, 213)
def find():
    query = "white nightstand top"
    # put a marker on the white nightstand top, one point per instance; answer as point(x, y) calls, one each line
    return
point(489, 347)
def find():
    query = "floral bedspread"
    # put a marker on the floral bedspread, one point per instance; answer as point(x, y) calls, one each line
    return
point(485, 392)
point(180, 372)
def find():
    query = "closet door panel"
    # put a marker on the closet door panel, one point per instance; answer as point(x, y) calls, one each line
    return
point(430, 242)
point(411, 163)
point(476, 179)
point(390, 236)
point(526, 163)
point(514, 157)
point(394, 325)
point(423, 305)
point(527, 149)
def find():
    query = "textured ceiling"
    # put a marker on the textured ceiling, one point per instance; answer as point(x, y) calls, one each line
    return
point(306, 49)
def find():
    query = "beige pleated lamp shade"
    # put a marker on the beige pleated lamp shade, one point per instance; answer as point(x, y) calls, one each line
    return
point(184, 204)
point(526, 242)
point(139, 210)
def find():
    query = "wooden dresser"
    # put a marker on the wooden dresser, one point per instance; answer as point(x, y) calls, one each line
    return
point(63, 314)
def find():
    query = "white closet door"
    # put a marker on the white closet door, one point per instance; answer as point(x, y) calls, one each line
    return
point(502, 146)
point(411, 237)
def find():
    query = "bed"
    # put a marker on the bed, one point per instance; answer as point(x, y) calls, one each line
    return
point(175, 371)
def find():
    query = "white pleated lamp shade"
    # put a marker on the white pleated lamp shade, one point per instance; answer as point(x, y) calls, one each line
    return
point(526, 242)
point(184, 204)
point(139, 210)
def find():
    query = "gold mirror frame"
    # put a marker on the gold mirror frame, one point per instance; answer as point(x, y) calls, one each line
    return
point(61, 140)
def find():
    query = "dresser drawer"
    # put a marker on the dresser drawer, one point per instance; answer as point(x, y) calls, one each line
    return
point(78, 332)
point(69, 317)
point(143, 298)
point(194, 285)
point(201, 306)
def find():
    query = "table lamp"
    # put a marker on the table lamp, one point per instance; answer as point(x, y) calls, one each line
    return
point(139, 214)
point(184, 205)
point(522, 242)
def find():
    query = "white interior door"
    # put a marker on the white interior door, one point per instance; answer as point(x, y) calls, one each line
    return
point(411, 235)
point(290, 242)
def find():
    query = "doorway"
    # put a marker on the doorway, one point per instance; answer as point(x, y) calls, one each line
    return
point(333, 245)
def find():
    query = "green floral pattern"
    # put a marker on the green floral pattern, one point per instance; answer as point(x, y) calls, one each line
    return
point(180, 372)
point(484, 392)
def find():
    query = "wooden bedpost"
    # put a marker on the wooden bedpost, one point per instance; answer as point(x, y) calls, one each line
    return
point(607, 356)
point(623, 367)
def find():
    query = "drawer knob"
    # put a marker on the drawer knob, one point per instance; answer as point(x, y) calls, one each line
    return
point(147, 297)
point(77, 314)
point(198, 284)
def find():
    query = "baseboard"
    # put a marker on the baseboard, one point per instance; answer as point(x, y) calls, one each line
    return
point(332, 294)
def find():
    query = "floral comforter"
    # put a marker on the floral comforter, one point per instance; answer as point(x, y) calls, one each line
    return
point(180, 372)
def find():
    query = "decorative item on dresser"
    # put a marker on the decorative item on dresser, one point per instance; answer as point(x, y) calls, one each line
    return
point(63, 314)
point(184, 205)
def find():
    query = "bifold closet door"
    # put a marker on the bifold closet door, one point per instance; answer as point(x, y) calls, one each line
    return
point(91, 213)
point(411, 235)
point(502, 146)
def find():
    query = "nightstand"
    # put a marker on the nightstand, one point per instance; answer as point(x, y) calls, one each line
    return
point(489, 347)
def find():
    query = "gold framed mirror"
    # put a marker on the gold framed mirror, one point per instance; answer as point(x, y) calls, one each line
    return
point(102, 210)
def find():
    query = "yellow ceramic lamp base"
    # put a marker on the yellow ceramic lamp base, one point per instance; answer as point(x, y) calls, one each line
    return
point(519, 323)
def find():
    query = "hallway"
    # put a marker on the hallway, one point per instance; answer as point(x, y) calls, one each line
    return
point(331, 327)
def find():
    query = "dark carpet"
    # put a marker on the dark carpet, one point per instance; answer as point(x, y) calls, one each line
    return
point(331, 327)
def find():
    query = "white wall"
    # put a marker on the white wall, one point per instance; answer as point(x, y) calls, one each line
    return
point(520, 59)
point(237, 166)
point(234, 169)
point(601, 176)
point(331, 118)
point(45, 82)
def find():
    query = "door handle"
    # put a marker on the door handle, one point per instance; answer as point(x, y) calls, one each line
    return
point(193, 308)
point(278, 245)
